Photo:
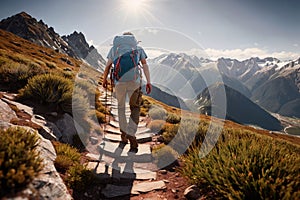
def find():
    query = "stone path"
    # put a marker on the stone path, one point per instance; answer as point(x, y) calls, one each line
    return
point(125, 173)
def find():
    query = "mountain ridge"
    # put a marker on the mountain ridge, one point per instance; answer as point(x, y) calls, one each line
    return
point(27, 27)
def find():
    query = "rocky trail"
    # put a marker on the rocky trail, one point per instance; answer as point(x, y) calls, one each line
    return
point(126, 173)
point(122, 174)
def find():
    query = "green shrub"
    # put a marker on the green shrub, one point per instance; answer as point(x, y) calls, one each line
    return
point(15, 75)
point(169, 132)
point(157, 112)
point(173, 118)
point(101, 108)
point(19, 159)
point(100, 116)
point(67, 156)
point(80, 103)
point(244, 165)
point(184, 134)
point(164, 156)
point(145, 106)
point(49, 89)
point(156, 125)
point(79, 178)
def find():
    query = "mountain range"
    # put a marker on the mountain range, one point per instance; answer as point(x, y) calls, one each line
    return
point(254, 87)
point(265, 86)
point(74, 45)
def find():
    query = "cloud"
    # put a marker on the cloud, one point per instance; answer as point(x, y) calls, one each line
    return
point(242, 54)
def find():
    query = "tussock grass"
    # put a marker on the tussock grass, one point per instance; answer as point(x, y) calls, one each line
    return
point(19, 160)
point(49, 89)
point(157, 112)
point(67, 162)
point(244, 165)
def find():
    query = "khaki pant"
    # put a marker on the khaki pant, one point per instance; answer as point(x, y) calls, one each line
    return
point(133, 90)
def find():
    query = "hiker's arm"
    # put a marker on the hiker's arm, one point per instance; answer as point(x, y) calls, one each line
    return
point(147, 75)
point(146, 70)
point(106, 71)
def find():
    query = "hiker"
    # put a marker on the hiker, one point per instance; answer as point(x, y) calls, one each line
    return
point(125, 57)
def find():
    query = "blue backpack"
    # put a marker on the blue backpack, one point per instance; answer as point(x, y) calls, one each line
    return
point(126, 60)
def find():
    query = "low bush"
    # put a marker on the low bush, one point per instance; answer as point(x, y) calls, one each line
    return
point(15, 75)
point(49, 89)
point(173, 118)
point(164, 156)
point(79, 178)
point(101, 108)
point(145, 106)
point(157, 112)
point(156, 125)
point(100, 116)
point(244, 165)
point(188, 132)
point(67, 156)
point(19, 160)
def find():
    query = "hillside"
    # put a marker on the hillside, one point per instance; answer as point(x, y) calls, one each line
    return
point(15, 52)
point(73, 45)
point(239, 108)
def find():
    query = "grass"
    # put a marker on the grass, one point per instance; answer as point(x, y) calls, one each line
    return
point(68, 163)
point(20, 162)
point(244, 165)
point(49, 89)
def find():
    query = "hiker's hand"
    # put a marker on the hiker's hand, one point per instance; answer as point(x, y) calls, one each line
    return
point(104, 84)
point(148, 88)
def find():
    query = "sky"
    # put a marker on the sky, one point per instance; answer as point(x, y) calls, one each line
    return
point(217, 28)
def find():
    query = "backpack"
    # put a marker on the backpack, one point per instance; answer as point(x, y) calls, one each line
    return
point(126, 60)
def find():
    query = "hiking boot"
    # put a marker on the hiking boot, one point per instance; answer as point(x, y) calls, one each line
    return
point(124, 139)
point(133, 143)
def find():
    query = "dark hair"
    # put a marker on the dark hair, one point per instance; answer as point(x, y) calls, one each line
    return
point(127, 33)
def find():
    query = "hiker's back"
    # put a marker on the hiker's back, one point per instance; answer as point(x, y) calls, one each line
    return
point(126, 58)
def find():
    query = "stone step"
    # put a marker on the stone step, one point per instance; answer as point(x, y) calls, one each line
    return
point(116, 124)
point(141, 138)
point(111, 191)
point(121, 153)
point(105, 171)
point(114, 130)
point(114, 112)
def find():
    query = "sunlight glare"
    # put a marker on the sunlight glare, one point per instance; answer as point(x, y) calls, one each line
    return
point(139, 10)
point(133, 5)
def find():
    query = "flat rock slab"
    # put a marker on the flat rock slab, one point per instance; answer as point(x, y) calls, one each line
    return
point(114, 130)
point(116, 124)
point(103, 170)
point(111, 129)
point(121, 152)
point(6, 113)
point(141, 138)
point(115, 112)
point(111, 191)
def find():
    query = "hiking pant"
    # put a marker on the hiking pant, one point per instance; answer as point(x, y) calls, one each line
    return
point(133, 90)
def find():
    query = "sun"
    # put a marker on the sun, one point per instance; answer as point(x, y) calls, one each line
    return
point(135, 6)
point(137, 11)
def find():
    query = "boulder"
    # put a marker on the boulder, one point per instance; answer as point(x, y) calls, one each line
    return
point(68, 128)
point(48, 129)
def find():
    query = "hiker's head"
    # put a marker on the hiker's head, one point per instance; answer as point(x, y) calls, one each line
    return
point(127, 33)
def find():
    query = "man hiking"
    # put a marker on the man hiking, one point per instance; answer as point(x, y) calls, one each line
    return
point(124, 57)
